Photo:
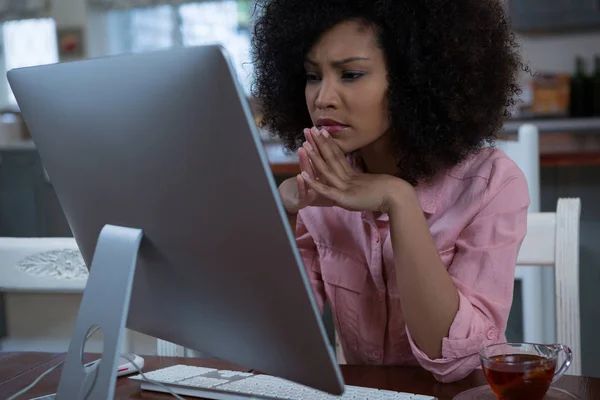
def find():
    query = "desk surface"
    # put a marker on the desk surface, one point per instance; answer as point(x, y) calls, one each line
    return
point(17, 370)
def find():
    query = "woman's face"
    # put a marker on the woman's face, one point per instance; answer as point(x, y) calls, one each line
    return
point(346, 85)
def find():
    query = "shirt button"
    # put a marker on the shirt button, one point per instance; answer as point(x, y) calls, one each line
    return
point(376, 355)
point(381, 297)
point(377, 238)
point(491, 334)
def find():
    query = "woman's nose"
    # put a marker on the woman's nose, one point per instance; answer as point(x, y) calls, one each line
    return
point(327, 96)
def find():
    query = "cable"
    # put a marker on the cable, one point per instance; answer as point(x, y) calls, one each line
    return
point(39, 378)
point(125, 356)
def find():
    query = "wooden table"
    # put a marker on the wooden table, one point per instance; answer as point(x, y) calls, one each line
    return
point(17, 370)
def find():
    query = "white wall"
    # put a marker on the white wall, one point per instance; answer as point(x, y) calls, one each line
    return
point(71, 13)
point(557, 53)
point(75, 13)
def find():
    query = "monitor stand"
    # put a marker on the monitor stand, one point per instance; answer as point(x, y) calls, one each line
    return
point(105, 304)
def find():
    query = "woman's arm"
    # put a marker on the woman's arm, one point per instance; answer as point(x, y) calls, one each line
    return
point(428, 295)
point(481, 272)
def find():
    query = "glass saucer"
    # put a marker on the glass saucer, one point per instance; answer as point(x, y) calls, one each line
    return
point(485, 393)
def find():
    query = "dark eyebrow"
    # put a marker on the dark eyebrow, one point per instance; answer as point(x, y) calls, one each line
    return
point(338, 63)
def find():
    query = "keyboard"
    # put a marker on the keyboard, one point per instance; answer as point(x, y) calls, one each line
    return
point(208, 383)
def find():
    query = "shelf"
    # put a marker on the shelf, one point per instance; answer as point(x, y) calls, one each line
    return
point(574, 125)
point(556, 149)
point(570, 160)
point(546, 160)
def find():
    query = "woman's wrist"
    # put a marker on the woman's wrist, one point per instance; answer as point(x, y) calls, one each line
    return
point(285, 191)
point(399, 195)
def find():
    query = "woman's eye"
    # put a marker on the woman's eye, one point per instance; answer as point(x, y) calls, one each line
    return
point(312, 77)
point(351, 76)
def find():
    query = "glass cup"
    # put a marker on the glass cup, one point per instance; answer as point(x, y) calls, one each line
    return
point(523, 371)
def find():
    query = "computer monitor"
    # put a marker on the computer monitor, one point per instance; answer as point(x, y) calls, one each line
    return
point(165, 142)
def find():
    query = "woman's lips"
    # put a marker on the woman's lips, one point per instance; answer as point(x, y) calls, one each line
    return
point(333, 128)
point(330, 125)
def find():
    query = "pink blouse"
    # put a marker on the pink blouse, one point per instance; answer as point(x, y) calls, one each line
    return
point(477, 214)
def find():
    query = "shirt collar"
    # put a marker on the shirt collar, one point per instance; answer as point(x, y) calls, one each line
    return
point(428, 193)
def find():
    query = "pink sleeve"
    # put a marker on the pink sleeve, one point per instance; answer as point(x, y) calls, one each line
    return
point(483, 271)
point(310, 258)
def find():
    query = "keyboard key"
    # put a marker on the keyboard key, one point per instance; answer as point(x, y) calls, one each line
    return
point(175, 373)
point(200, 381)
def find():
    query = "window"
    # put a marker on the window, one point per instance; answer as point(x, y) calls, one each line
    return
point(215, 22)
point(28, 43)
point(152, 28)
point(208, 22)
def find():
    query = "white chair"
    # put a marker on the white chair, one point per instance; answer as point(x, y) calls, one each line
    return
point(43, 280)
point(41, 302)
point(552, 240)
point(537, 283)
point(525, 152)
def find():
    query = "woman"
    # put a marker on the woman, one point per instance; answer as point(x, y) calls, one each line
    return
point(408, 225)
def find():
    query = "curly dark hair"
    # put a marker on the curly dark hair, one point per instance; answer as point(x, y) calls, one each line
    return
point(452, 72)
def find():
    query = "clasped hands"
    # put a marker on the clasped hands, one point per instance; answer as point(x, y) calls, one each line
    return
point(327, 179)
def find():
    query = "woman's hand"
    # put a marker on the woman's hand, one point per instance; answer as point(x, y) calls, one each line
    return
point(295, 193)
point(330, 175)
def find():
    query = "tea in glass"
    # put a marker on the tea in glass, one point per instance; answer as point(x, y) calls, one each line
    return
point(520, 376)
point(522, 371)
